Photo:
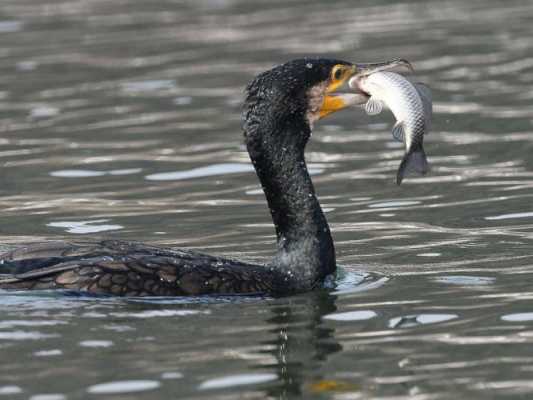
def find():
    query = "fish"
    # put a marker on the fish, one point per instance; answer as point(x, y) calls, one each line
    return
point(411, 104)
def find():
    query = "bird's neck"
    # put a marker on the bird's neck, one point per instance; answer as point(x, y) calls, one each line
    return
point(305, 247)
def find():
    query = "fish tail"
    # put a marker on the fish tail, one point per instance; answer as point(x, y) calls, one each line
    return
point(415, 160)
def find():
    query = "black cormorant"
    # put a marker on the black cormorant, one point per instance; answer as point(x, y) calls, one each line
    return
point(279, 111)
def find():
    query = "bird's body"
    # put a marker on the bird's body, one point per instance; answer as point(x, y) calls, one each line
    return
point(280, 108)
point(133, 269)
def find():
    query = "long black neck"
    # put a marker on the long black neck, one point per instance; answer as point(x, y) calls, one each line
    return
point(305, 247)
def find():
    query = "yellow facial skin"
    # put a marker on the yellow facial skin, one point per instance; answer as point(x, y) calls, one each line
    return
point(339, 75)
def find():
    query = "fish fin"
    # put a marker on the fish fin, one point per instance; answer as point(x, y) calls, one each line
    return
point(397, 131)
point(413, 161)
point(373, 106)
point(424, 91)
point(427, 102)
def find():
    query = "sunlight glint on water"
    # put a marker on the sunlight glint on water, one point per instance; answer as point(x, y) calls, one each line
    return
point(122, 119)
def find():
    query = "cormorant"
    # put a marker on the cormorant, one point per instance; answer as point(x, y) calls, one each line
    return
point(279, 111)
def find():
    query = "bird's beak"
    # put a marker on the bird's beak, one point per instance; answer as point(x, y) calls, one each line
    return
point(335, 101)
point(399, 66)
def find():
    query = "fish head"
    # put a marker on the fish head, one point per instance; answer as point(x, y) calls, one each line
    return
point(362, 82)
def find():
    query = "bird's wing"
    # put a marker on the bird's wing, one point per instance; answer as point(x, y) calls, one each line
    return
point(128, 268)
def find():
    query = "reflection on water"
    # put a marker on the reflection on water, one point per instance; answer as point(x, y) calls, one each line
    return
point(123, 387)
point(85, 226)
point(217, 169)
point(123, 119)
point(236, 380)
point(408, 321)
point(351, 315)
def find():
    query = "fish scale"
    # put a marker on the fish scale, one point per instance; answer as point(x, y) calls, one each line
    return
point(411, 106)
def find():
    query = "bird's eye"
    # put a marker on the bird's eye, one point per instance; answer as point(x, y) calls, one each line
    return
point(337, 74)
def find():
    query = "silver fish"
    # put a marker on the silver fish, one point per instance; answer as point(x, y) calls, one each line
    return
point(412, 107)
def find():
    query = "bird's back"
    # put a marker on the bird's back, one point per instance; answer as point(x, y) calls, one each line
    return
point(129, 268)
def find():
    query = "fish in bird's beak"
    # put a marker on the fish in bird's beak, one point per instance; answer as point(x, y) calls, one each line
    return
point(341, 75)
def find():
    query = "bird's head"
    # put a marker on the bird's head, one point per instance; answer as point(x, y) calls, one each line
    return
point(289, 98)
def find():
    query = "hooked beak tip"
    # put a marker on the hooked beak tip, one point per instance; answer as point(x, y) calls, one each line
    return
point(399, 65)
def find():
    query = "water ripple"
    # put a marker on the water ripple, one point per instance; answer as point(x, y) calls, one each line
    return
point(123, 387)
point(123, 119)
point(236, 380)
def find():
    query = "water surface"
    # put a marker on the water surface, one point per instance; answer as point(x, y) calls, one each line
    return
point(121, 119)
